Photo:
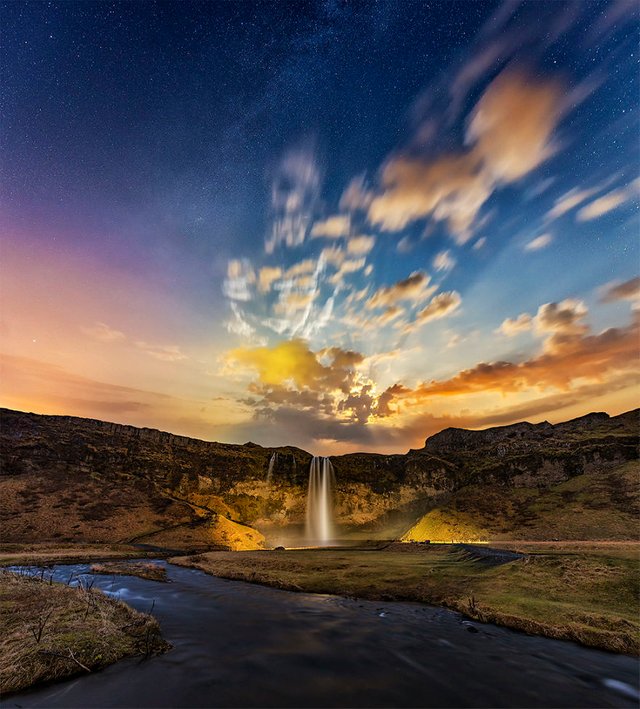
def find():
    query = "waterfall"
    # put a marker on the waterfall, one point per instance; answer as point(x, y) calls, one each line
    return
point(320, 502)
point(272, 464)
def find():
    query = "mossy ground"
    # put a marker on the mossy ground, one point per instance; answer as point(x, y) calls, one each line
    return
point(575, 594)
point(50, 631)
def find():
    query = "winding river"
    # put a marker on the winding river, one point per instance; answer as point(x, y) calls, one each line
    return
point(242, 645)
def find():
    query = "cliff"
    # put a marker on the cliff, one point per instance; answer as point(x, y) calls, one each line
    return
point(68, 478)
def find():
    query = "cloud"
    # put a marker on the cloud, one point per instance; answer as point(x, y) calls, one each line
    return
point(333, 255)
point(511, 327)
point(102, 332)
point(629, 290)
point(356, 196)
point(540, 242)
point(332, 227)
point(513, 123)
point(291, 303)
point(361, 245)
point(365, 322)
point(581, 357)
point(325, 384)
point(294, 195)
point(414, 288)
point(480, 243)
point(564, 317)
point(346, 267)
point(302, 267)
point(292, 363)
point(165, 353)
point(444, 261)
point(238, 324)
point(603, 205)
point(239, 281)
point(405, 245)
point(510, 133)
point(439, 307)
point(568, 201)
point(451, 188)
point(267, 276)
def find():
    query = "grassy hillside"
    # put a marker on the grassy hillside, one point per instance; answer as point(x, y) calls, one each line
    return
point(597, 505)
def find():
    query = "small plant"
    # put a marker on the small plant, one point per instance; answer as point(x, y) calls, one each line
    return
point(41, 622)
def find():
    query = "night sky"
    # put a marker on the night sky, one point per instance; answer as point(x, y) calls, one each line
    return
point(339, 225)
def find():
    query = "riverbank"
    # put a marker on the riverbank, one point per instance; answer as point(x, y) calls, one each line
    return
point(241, 645)
point(570, 593)
point(46, 554)
point(50, 631)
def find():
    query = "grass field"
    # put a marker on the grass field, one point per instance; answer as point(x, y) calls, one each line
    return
point(50, 631)
point(587, 593)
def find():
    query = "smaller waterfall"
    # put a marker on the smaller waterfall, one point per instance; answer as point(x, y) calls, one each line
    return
point(320, 502)
point(272, 464)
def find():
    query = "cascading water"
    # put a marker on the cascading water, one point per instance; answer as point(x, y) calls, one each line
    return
point(272, 464)
point(320, 502)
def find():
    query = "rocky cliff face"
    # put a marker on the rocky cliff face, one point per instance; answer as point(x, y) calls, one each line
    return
point(72, 478)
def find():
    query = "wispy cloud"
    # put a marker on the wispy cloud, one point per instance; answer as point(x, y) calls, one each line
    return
point(540, 242)
point(629, 290)
point(104, 333)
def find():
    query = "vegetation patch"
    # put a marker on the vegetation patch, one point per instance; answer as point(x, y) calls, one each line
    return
point(64, 553)
point(572, 593)
point(50, 631)
point(145, 570)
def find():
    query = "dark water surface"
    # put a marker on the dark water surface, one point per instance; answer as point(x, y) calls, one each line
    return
point(241, 645)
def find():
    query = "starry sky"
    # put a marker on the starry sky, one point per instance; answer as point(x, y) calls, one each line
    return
point(338, 225)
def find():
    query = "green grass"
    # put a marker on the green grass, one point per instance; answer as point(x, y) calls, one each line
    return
point(589, 597)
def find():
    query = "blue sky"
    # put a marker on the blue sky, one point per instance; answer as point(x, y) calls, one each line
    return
point(290, 222)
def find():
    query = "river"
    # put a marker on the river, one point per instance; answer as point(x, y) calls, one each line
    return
point(241, 645)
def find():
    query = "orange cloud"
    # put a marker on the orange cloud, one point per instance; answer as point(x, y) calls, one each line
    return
point(332, 228)
point(413, 288)
point(573, 357)
point(439, 307)
point(629, 290)
point(514, 326)
point(510, 133)
point(513, 123)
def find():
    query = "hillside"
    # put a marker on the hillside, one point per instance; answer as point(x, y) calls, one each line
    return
point(72, 479)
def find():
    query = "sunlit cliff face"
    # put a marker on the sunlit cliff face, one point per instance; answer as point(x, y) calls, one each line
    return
point(445, 234)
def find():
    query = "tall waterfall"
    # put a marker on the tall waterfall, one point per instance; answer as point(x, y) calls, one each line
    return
point(320, 501)
point(272, 464)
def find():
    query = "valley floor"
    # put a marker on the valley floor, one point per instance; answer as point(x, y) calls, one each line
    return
point(586, 592)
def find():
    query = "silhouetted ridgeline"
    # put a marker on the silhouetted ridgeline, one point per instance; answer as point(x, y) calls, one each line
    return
point(72, 478)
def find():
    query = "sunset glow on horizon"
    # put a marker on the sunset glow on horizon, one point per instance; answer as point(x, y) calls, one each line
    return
point(342, 228)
